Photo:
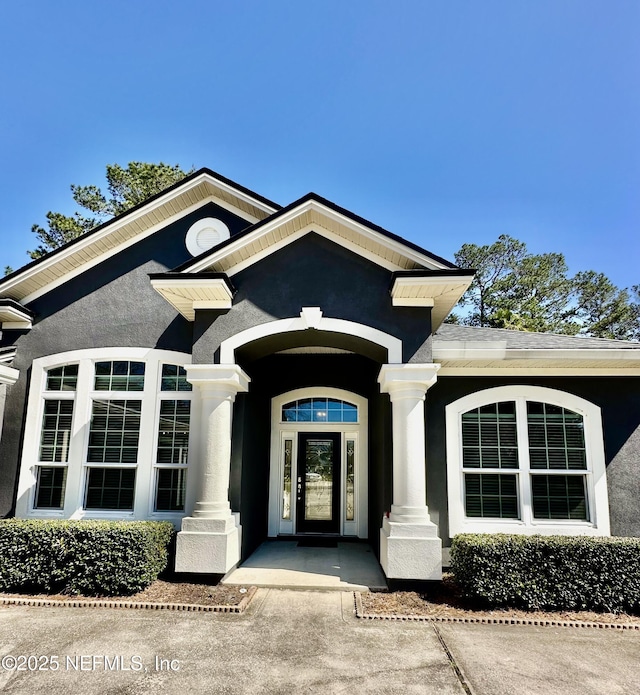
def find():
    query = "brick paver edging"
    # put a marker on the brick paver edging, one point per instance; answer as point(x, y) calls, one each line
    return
point(137, 605)
point(488, 621)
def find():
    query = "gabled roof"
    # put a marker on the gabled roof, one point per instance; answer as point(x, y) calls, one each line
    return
point(144, 219)
point(312, 213)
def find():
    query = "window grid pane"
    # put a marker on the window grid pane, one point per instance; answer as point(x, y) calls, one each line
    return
point(489, 437)
point(63, 378)
point(286, 479)
point(110, 488)
point(319, 410)
point(351, 469)
point(559, 497)
point(174, 378)
point(119, 376)
point(173, 432)
point(170, 489)
point(50, 487)
point(56, 431)
point(114, 432)
point(490, 495)
point(556, 438)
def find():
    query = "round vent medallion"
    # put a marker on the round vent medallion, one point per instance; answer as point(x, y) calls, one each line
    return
point(205, 234)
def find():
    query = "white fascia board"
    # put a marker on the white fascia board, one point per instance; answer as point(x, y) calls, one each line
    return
point(449, 370)
point(132, 217)
point(414, 301)
point(327, 234)
point(461, 350)
point(87, 265)
point(10, 317)
point(188, 283)
point(438, 291)
point(382, 239)
point(431, 282)
point(245, 197)
point(8, 375)
point(498, 351)
point(311, 206)
point(177, 293)
point(575, 354)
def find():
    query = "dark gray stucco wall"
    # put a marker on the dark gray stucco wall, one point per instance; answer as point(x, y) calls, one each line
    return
point(313, 271)
point(619, 399)
point(277, 374)
point(111, 305)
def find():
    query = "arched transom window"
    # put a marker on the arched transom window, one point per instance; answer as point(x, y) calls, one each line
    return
point(319, 410)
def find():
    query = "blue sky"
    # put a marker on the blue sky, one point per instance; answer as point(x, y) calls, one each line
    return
point(445, 122)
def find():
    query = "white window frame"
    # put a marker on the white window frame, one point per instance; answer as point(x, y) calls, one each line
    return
point(77, 465)
point(171, 396)
point(356, 431)
point(595, 474)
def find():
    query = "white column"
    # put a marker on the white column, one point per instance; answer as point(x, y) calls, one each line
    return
point(409, 544)
point(210, 539)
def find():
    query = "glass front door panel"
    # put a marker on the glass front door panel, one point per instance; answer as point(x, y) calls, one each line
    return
point(319, 479)
point(318, 483)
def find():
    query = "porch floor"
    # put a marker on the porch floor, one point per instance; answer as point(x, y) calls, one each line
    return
point(283, 564)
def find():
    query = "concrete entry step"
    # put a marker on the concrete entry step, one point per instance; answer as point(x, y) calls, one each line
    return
point(283, 564)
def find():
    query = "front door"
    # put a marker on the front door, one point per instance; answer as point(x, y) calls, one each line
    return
point(318, 482)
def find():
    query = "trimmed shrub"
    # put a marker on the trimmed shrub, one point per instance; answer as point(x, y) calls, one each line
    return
point(95, 558)
point(549, 572)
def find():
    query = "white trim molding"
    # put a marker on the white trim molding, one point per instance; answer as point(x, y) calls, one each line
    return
point(494, 358)
point(76, 462)
point(594, 474)
point(314, 216)
point(188, 293)
point(440, 292)
point(127, 229)
point(311, 317)
point(8, 375)
point(13, 316)
point(349, 431)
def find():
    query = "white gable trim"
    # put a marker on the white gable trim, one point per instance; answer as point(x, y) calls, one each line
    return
point(309, 319)
point(90, 251)
point(357, 237)
point(8, 375)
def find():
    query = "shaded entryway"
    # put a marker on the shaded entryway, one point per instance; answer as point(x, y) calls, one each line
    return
point(285, 564)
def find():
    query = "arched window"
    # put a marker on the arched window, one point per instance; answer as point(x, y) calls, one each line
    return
point(107, 435)
point(526, 459)
point(319, 410)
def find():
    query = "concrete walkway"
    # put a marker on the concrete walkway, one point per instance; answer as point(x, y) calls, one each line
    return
point(302, 642)
point(283, 564)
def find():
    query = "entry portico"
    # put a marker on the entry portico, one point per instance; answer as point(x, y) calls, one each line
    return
point(210, 540)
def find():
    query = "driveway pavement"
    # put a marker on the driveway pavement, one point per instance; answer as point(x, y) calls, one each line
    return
point(301, 642)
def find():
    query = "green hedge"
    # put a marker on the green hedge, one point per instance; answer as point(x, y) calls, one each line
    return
point(95, 558)
point(549, 572)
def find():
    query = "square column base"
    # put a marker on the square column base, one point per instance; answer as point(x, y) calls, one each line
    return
point(410, 551)
point(208, 546)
